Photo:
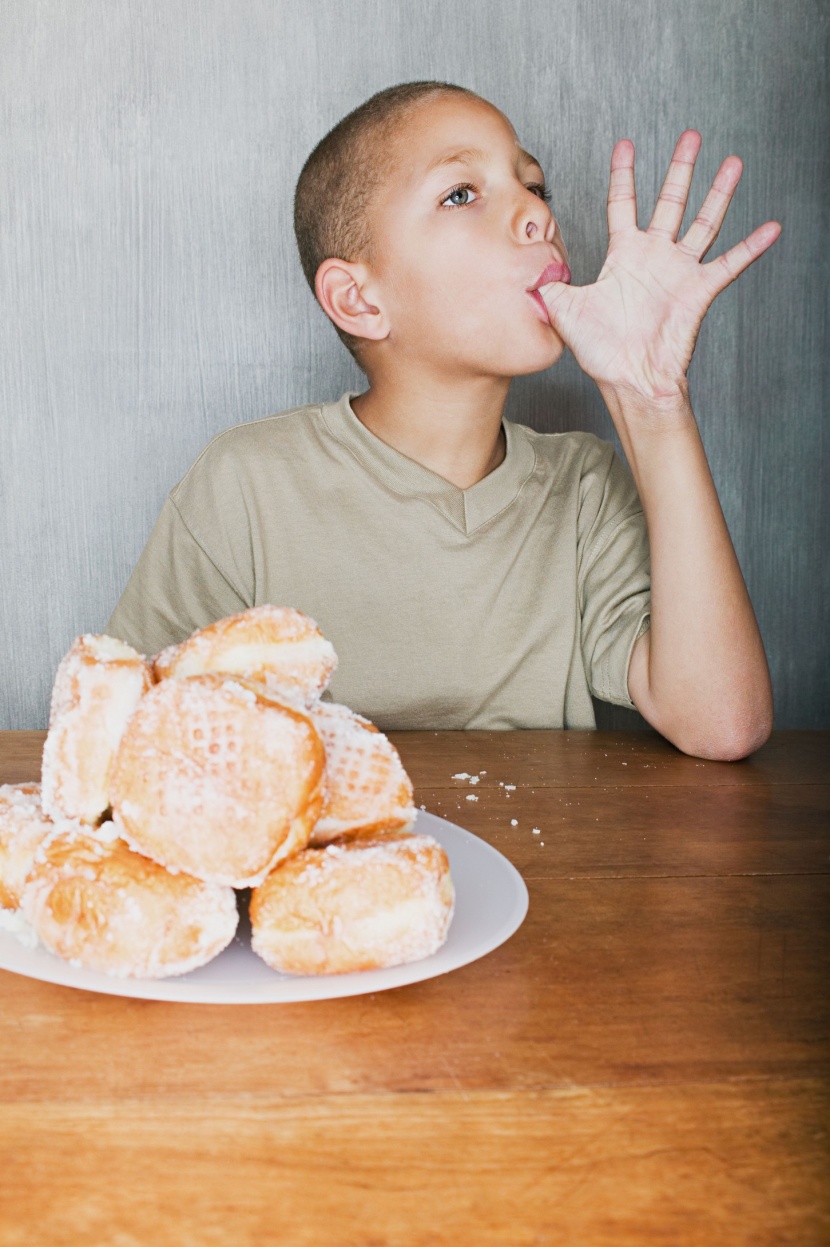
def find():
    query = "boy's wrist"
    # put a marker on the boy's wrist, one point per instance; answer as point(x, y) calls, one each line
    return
point(634, 411)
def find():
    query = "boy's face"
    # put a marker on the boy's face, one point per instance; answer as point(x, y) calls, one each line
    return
point(452, 267)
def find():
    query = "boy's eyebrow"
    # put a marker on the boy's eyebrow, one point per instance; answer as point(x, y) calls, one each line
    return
point(466, 155)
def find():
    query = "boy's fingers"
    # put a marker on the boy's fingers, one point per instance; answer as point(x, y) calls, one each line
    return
point(674, 194)
point(706, 226)
point(622, 196)
point(723, 271)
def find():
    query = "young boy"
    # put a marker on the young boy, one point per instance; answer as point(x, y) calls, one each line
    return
point(470, 572)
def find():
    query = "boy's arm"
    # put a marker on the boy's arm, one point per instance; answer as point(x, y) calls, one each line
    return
point(700, 675)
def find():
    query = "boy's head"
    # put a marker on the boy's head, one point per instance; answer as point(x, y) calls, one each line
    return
point(422, 260)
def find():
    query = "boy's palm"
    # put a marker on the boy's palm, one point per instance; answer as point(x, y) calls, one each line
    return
point(637, 324)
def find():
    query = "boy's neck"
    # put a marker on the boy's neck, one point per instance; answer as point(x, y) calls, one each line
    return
point(456, 433)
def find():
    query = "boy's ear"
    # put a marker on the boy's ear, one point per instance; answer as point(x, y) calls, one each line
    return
point(339, 286)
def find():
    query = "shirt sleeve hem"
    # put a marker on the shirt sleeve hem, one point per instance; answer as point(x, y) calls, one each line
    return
point(610, 677)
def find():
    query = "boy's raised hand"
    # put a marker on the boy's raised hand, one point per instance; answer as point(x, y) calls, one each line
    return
point(636, 326)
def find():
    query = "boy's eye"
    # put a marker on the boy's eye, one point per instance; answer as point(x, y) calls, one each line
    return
point(464, 189)
point(544, 193)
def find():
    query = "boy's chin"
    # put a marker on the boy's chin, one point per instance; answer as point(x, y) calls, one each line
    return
point(544, 356)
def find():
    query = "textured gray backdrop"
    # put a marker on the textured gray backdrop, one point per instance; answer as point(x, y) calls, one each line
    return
point(152, 296)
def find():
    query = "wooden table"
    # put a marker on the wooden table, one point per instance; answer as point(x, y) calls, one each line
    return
point(645, 1061)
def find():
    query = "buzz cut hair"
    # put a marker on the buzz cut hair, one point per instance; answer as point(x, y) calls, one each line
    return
point(340, 178)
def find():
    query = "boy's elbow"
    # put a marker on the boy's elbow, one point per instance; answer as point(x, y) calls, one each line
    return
point(727, 740)
point(738, 744)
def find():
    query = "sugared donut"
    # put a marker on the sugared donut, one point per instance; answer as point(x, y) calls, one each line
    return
point(23, 825)
point(215, 777)
point(276, 645)
point(360, 903)
point(366, 785)
point(98, 904)
point(98, 685)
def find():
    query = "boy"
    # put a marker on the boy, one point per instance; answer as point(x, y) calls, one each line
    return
point(470, 572)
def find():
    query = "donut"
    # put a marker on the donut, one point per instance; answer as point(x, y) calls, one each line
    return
point(360, 903)
point(215, 777)
point(23, 826)
point(96, 903)
point(276, 645)
point(98, 685)
point(366, 786)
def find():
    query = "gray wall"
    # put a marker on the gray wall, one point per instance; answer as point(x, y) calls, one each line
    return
point(151, 294)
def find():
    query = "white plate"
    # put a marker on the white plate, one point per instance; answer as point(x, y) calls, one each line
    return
point(491, 903)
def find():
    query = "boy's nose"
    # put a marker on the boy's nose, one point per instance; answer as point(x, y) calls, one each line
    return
point(532, 228)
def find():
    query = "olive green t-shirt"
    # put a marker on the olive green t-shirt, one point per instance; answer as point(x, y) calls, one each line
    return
point(504, 605)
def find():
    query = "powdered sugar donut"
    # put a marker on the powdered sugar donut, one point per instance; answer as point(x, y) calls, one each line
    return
point(215, 777)
point(366, 786)
point(23, 826)
point(276, 645)
point(98, 685)
point(98, 904)
point(360, 903)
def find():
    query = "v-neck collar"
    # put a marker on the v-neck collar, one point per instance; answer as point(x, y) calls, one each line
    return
point(465, 509)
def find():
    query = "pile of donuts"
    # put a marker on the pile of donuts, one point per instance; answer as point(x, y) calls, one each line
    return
point(169, 782)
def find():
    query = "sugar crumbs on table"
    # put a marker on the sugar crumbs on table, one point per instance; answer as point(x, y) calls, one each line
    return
point(536, 831)
point(461, 775)
point(471, 796)
point(514, 822)
point(474, 779)
point(509, 787)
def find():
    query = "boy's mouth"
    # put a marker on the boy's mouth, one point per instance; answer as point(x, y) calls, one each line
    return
point(555, 271)
point(539, 306)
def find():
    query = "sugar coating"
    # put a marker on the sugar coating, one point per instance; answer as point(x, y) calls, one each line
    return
point(96, 903)
point(98, 685)
point(13, 922)
point(24, 826)
point(216, 778)
point(366, 785)
point(363, 902)
point(276, 645)
point(121, 897)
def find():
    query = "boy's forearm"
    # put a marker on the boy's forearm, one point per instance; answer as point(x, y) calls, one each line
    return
point(700, 674)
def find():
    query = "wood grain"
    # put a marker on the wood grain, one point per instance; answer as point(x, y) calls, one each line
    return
point(607, 981)
point(645, 1060)
point(539, 759)
point(597, 1166)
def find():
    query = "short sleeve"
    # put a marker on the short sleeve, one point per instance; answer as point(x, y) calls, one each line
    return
point(614, 581)
point(175, 588)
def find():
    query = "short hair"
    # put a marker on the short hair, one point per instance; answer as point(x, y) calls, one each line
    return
point(342, 175)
